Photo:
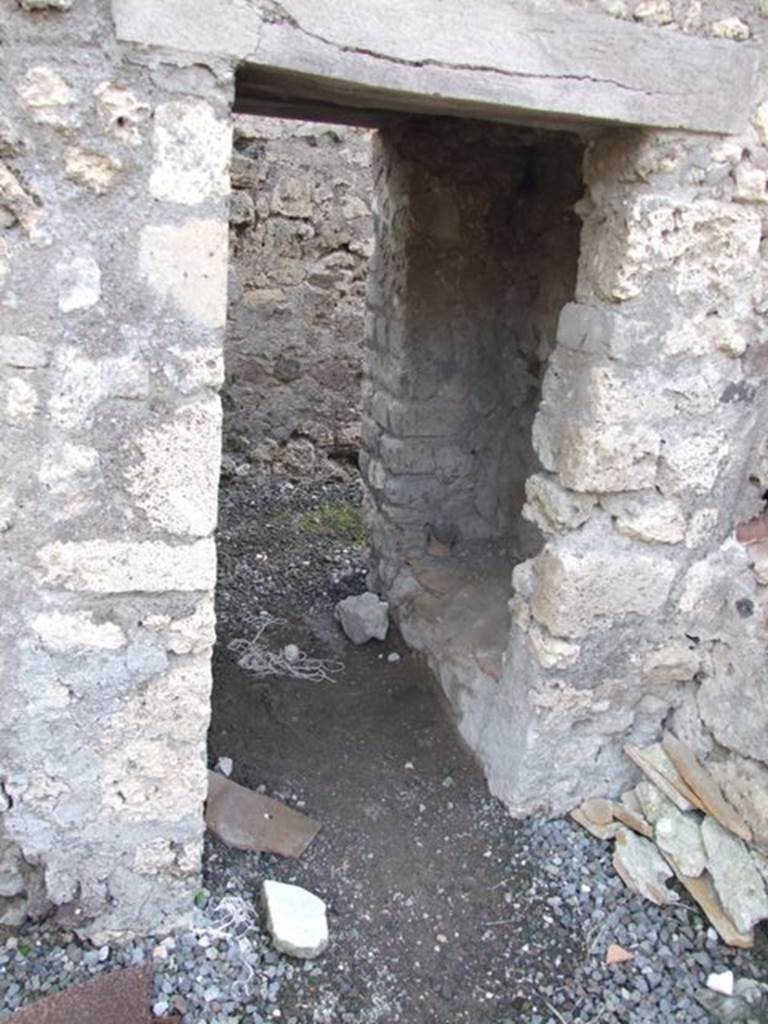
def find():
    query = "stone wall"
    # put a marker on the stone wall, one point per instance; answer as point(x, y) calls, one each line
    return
point(300, 239)
point(113, 251)
point(646, 604)
point(477, 246)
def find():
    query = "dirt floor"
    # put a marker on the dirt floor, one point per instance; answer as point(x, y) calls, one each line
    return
point(413, 857)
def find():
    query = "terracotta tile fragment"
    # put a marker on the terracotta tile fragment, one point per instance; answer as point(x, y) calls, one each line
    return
point(618, 955)
point(117, 997)
point(251, 821)
point(753, 530)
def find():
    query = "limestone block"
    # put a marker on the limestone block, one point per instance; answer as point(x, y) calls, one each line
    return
point(751, 184)
point(190, 369)
point(66, 631)
point(192, 148)
point(617, 457)
point(175, 480)
point(701, 527)
point(153, 856)
point(153, 747)
point(115, 566)
point(703, 336)
point(692, 463)
point(121, 112)
point(552, 651)
point(186, 265)
point(78, 277)
point(731, 700)
point(730, 28)
point(672, 663)
point(292, 197)
point(81, 383)
point(603, 331)
point(589, 578)
point(44, 92)
point(93, 170)
point(552, 508)
point(655, 12)
point(16, 203)
point(46, 5)
point(707, 250)
point(21, 351)
point(647, 517)
point(195, 633)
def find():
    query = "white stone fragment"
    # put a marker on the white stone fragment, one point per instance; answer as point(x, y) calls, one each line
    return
point(224, 766)
point(121, 112)
point(22, 352)
point(296, 919)
point(722, 982)
point(94, 170)
point(192, 148)
point(79, 282)
point(44, 92)
point(363, 617)
point(20, 400)
point(734, 875)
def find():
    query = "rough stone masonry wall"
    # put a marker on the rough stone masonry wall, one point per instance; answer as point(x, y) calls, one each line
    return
point(113, 252)
point(647, 605)
point(300, 239)
point(476, 253)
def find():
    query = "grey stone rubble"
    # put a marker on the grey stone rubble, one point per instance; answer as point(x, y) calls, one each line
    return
point(296, 919)
point(578, 900)
point(363, 617)
point(719, 868)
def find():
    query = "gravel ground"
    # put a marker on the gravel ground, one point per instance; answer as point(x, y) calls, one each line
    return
point(442, 910)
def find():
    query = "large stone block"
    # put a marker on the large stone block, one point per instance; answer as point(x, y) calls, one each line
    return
point(706, 251)
point(145, 776)
point(185, 265)
point(192, 148)
point(119, 566)
point(590, 578)
point(176, 477)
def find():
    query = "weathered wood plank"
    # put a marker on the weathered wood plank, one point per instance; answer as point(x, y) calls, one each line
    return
point(487, 60)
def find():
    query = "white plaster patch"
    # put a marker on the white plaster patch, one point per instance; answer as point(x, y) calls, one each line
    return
point(192, 149)
point(94, 170)
point(65, 631)
point(20, 400)
point(146, 777)
point(79, 281)
point(186, 265)
point(176, 480)
point(116, 566)
point(121, 112)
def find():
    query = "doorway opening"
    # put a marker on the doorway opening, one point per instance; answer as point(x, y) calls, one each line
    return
point(393, 300)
